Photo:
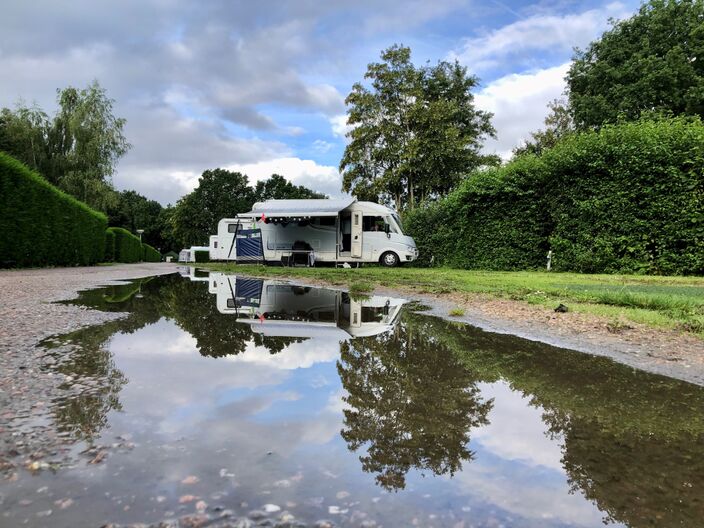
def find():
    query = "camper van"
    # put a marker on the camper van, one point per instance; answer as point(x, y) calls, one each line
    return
point(274, 308)
point(303, 232)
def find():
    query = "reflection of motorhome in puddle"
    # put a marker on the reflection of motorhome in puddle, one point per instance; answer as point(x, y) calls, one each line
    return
point(274, 308)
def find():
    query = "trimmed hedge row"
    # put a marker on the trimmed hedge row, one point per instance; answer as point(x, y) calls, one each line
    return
point(128, 248)
point(149, 254)
point(626, 199)
point(42, 226)
point(109, 255)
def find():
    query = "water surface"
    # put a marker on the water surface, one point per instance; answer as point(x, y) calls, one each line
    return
point(222, 396)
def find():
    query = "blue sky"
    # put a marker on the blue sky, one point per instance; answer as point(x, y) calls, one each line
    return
point(260, 86)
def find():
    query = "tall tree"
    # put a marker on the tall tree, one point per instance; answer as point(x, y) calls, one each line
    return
point(225, 194)
point(77, 150)
point(654, 61)
point(220, 194)
point(416, 131)
point(133, 211)
point(278, 188)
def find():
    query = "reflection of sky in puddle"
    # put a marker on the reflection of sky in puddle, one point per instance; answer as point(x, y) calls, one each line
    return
point(265, 428)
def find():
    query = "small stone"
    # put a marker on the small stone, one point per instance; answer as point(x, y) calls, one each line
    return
point(256, 514)
point(186, 498)
point(45, 513)
point(191, 479)
point(342, 495)
point(271, 508)
point(193, 521)
point(201, 506)
point(324, 524)
point(63, 503)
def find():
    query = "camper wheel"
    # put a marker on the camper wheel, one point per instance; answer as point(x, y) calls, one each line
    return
point(389, 259)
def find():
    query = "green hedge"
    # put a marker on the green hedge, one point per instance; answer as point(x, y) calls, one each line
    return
point(629, 198)
point(109, 255)
point(42, 226)
point(128, 248)
point(149, 254)
point(626, 199)
point(202, 255)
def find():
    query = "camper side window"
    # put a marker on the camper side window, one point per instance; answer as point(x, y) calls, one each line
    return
point(232, 228)
point(373, 223)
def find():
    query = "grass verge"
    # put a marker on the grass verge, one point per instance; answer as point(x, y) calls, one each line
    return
point(660, 302)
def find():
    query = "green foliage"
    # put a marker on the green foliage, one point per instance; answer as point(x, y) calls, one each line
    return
point(416, 130)
point(133, 211)
point(77, 150)
point(650, 62)
point(201, 255)
point(109, 255)
point(279, 188)
point(128, 248)
point(495, 220)
point(149, 254)
point(222, 194)
point(629, 198)
point(42, 226)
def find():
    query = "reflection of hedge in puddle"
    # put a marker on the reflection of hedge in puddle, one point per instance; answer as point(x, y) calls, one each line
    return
point(570, 385)
point(632, 441)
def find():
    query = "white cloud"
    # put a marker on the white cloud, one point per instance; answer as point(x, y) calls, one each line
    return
point(519, 103)
point(539, 32)
point(321, 178)
point(339, 126)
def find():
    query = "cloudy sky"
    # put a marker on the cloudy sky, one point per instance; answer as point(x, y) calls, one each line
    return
point(259, 86)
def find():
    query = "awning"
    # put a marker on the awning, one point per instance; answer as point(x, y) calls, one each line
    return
point(302, 208)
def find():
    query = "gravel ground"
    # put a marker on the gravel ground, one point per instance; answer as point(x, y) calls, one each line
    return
point(29, 314)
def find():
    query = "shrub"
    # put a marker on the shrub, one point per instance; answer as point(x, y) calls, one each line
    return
point(149, 254)
point(202, 255)
point(495, 220)
point(628, 198)
point(42, 226)
point(109, 255)
point(128, 248)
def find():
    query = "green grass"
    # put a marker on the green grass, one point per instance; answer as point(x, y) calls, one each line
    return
point(457, 312)
point(660, 302)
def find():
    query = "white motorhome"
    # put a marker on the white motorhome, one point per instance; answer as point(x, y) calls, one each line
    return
point(274, 308)
point(189, 254)
point(316, 230)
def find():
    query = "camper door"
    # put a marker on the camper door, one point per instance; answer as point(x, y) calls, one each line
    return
point(357, 234)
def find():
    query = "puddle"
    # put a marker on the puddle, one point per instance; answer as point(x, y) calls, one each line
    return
point(221, 399)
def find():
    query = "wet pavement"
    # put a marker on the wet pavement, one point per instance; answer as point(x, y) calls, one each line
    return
point(228, 401)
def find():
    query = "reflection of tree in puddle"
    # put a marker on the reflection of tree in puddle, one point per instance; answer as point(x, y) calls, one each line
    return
point(633, 443)
point(411, 403)
point(85, 356)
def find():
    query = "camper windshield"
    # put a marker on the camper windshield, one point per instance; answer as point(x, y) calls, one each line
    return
point(397, 221)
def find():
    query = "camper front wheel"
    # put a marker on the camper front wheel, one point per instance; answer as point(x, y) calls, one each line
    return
point(389, 259)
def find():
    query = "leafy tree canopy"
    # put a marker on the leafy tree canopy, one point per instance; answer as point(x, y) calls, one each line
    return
point(416, 131)
point(652, 62)
point(76, 150)
point(278, 188)
point(224, 194)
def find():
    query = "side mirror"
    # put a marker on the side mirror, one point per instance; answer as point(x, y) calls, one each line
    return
point(387, 229)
